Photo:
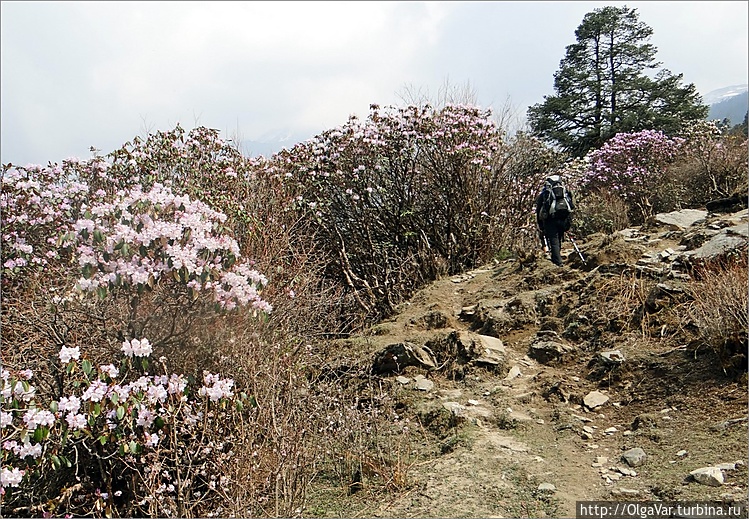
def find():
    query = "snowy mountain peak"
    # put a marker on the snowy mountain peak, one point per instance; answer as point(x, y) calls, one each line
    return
point(720, 95)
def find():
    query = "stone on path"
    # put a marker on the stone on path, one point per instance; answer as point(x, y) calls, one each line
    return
point(710, 476)
point(634, 457)
point(547, 487)
point(423, 383)
point(595, 399)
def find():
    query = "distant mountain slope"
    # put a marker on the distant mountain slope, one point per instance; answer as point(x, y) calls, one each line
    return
point(729, 103)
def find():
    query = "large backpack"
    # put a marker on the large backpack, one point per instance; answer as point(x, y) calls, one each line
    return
point(557, 202)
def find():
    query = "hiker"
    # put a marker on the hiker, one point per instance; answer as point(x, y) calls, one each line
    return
point(554, 207)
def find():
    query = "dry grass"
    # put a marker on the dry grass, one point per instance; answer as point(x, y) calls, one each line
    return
point(719, 309)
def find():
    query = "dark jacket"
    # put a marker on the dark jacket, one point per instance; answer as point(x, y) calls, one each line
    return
point(563, 225)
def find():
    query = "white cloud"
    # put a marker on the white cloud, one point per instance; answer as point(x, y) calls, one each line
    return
point(77, 74)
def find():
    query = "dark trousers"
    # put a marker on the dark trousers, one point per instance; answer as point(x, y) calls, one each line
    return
point(554, 234)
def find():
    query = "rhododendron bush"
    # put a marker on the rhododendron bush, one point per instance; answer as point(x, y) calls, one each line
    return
point(110, 281)
point(631, 165)
point(404, 196)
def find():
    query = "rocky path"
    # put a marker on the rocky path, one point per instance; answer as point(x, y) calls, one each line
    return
point(514, 459)
point(534, 424)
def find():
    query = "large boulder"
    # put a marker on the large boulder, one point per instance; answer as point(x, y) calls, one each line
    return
point(396, 357)
point(677, 220)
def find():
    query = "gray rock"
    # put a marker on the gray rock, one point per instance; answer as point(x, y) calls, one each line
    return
point(710, 476)
point(395, 357)
point(547, 487)
point(611, 358)
point(481, 349)
point(595, 399)
point(455, 408)
point(718, 245)
point(546, 352)
point(513, 373)
point(625, 492)
point(423, 383)
point(634, 457)
point(626, 472)
point(492, 351)
point(680, 219)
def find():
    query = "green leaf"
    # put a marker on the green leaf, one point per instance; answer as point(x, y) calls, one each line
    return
point(98, 236)
point(55, 462)
point(103, 439)
point(87, 367)
point(120, 413)
point(133, 446)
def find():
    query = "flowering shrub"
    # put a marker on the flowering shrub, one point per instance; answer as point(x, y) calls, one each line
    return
point(198, 163)
point(38, 205)
point(99, 258)
point(631, 165)
point(144, 238)
point(713, 165)
point(110, 422)
point(400, 198)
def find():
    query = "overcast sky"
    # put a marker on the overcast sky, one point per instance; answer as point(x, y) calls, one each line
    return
point(82, 74)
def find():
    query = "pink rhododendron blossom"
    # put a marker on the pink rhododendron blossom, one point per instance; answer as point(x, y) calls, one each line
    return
point(110, 370)
point(69, 404)
point(152, 439)
point(36, 417)
point(67, 354)
point(145, 418)
point(137, 348)
point(11, 477)
point(216, 388)
point(180, 236)
point(96, 391)
point(76, 421)
point(28, 449)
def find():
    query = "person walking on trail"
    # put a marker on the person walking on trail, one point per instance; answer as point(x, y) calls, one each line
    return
point(554, 208)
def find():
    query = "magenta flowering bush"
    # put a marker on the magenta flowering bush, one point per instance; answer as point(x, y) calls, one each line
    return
point(631, 165)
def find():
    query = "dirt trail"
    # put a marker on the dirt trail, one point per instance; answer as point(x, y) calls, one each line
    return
point(498, 469)
point(522, 442)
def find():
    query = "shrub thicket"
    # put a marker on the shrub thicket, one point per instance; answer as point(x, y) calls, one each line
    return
point(719, 307)
point(133, 283)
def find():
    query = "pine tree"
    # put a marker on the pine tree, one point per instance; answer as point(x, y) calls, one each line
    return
point(609, 82)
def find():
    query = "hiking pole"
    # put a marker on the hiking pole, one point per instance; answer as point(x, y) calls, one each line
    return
point(578, 250)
